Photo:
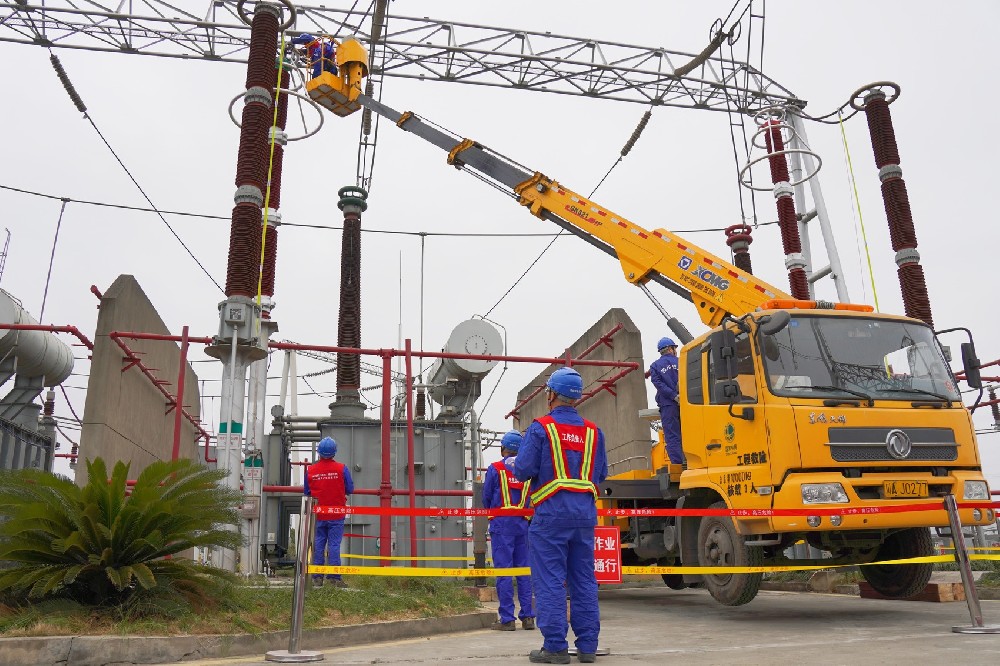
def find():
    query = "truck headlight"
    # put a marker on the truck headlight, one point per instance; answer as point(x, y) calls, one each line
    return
point(976, 490)
point(824, 493)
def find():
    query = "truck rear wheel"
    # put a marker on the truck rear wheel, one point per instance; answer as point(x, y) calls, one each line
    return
point(720, 545)
point(900, 581)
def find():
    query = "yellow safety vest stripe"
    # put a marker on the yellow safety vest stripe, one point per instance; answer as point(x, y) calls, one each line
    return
point(562, 481)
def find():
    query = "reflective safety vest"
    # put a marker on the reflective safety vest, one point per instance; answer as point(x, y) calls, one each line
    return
point(563, 438)
point(509, 482)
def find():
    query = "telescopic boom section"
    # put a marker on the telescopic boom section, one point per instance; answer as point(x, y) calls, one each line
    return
point(715, 286)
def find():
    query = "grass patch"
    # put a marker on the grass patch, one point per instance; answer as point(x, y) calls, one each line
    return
point(249, 609)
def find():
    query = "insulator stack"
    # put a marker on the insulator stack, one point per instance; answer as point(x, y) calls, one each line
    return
point(913, 285)
point(738, 238)
point(421, 407)
point(243, 265)
point(352, 203)
point(49, 405)
point(791, 242)
point(276, 158)
point(995, 408)
point(244, 250)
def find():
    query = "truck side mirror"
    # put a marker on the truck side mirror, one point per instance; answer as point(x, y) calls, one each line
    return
point(970, 365)
point(723, 345)
point(728, 392)
point(774, 323)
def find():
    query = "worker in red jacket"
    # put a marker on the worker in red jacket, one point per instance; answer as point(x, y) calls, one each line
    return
point(509, 534)
point(329, 482)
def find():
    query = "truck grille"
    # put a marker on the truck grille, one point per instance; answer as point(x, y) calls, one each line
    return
point(871, 445)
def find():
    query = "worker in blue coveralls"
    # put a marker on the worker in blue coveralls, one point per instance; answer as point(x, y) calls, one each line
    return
point(563, 457)
point(320, 53)
point(509, 534)
point(329, 483)
point(663, 374)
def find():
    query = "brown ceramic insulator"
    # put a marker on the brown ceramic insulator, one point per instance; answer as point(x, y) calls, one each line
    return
point(270, 256)
point(742, 261)
point(49, 405)
point(916, 302)
point(349, 324)
point(274, 194)
point(790, 239)
point(253, 147)
point(421, 408)
point(897, 210)
point(740, 234)
point(263, 50)
point(799, 283)
point(283, 100)
point(778, 163)
point(995, 407)
point(882, 133)
point(244, 251)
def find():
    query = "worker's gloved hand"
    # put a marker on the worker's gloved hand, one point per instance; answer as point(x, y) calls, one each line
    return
point(677, 399)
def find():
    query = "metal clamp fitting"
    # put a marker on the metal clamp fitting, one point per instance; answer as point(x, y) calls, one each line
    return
point(908, 255)
point(249, 194)
point(890, 171)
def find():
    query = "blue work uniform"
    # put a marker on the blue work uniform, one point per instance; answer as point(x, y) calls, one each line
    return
point(663, 374)
point(329, 482)
point(321, 54)
point(561, 535)
point(508, 536)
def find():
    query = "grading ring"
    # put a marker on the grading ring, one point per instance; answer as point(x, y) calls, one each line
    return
point(311, 101)
point(241, 10)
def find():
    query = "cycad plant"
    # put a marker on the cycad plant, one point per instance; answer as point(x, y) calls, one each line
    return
point(97, 545)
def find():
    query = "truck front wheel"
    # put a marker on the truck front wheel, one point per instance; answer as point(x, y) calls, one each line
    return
point(720, 545)
point(901, 580)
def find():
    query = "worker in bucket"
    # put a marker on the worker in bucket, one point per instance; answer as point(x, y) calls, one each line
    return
point(329, 483)
point(320, 53)
point(564, 459)
point(663, 374)
point(509, 534)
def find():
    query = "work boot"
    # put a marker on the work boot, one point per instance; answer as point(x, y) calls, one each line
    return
point(317, 582)
point(587, 657)
point(527, 623)
point(504, 626)
point(543, 656)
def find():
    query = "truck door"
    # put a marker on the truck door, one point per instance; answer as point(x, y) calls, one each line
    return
point(737, 452)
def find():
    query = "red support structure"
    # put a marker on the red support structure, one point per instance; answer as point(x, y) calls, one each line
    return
point(385, 488)
point(410, 472)
point(72, 330)
point(569, 361)
point(178, 406)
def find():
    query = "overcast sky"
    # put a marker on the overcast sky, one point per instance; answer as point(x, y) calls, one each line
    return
point(167, 119)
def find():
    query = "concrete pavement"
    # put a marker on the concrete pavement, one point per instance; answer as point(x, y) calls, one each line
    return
point(655, 625)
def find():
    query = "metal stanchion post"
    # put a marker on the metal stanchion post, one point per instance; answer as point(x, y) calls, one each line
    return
point(293, 655)
point(962, 556)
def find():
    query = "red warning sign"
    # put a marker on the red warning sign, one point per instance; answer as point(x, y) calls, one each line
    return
point(607, 555)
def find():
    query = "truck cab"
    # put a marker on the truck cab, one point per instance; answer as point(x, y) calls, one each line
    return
point(806, 407)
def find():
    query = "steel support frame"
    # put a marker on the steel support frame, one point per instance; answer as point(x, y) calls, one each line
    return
point(411, 47)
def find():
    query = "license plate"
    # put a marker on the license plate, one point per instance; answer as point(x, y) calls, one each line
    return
point(896, 489)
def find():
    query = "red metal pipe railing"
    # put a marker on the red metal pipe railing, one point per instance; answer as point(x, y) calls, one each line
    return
point(134, 360)
point(385, 487)
point(72, 330)
point(175, 453)
point(410, 478)
point(604, 339)
point(96, 292)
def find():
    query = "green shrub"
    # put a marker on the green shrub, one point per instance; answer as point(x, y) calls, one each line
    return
point(98, 546)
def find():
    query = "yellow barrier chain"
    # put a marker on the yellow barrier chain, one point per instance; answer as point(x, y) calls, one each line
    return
point(627, 570)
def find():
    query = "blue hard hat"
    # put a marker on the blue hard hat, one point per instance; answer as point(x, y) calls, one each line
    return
point(511, 441)
point(327, 447)
point(567, 382)
point(664, 343)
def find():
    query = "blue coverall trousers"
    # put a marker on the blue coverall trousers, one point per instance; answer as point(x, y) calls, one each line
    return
point(329, 534)
point(670, 419)
point(564, 555)
point(510, 549)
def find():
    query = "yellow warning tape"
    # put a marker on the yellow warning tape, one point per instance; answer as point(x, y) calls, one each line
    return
point(629, 570)
point(405, 558)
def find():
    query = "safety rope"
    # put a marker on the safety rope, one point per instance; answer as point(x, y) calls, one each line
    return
point(52, 257)
point(857, 203)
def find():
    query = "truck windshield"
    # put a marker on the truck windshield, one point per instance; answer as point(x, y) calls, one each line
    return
point(823, 356)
